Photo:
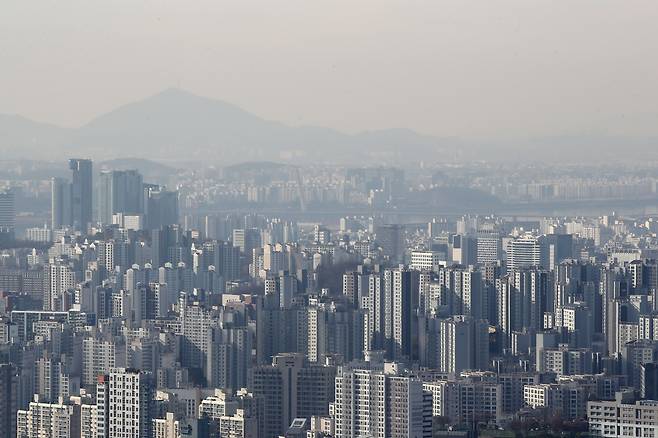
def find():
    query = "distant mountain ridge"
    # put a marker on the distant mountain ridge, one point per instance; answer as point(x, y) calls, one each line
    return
point(176, 126)
point(21, 137)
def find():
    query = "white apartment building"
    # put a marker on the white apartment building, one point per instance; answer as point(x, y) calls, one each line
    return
point(376, 404)
point(427, 260)
point(566, 400)
point(52, 420)
point(130, 403)
point(623, 417)
point(465, 402)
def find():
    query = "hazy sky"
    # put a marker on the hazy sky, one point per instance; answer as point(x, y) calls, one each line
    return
point(484, 68)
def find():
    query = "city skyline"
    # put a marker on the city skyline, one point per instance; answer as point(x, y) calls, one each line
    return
point(139, 311)
point(328, 219)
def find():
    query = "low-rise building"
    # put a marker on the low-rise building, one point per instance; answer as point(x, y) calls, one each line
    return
point(623, 416)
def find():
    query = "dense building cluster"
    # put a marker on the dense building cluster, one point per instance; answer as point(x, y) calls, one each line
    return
point(124, 318)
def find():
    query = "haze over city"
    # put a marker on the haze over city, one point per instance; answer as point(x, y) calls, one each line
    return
point(328, 219)
point(507, 75)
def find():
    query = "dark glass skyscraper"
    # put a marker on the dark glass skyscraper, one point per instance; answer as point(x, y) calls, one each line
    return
point(8, 400)
point(119, 191)
point(160, 206)
point(81, 192)
point(60, 203)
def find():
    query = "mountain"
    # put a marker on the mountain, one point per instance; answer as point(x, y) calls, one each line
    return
point(24, 138)
point(177, 125)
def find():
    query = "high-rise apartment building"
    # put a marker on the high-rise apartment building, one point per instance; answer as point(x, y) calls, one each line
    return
point(522, 300)
point(228, 356)
point(633, 355)
point(238, 415)
point(524, 252)
point(246, 239)
point(377, 404)
point(464, 344)
point(401, 298)
point(59, 279)
point(196, 322)
point(227, 261)
point(391, 241)
point(99, 356)
point(489, 245)
point(321, 235)
point(461, 292)
point(130, 398)
point(167, 427)
point(292, 388)
point(624, 416)
point(102, 422)
point(51, 378)
point(7, 211)
point(467, 401)
point(427, 260)
point(566, 400)
point(555, 249)
point(370, 299)
point(464, 249)
point(52, 420)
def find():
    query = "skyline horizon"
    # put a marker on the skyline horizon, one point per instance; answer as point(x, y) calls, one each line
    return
point(183, 91)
